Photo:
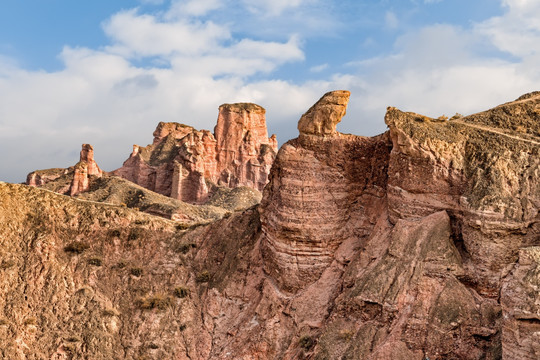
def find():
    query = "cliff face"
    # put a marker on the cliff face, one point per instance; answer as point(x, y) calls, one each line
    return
point(326, 191)
point(419, 243)
point(181, 160)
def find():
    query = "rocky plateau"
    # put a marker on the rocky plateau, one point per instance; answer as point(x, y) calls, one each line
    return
point(419, 243)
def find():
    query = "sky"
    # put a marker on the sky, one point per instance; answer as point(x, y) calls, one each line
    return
point(106, 72)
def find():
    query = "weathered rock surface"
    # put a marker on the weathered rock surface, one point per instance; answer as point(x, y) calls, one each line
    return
point(521, 308)
point(183, 163)
point(71, 181)
point(483, 170)
point(323, 191)
point(85, 168)
point(420, 243)
point(322, 118)
point(39, 178)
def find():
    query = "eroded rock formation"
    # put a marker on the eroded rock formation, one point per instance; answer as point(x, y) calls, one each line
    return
point(73, 180)
point(420, 243)
point(182, 162)
point(85, 168)
point(326, 189)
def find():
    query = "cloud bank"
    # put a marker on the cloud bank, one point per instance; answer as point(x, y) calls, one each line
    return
point(182, 63)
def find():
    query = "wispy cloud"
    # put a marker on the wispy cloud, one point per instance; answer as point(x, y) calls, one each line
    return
point(318, 68)
point(182, 8)
point(271, 7)
point(102, 97)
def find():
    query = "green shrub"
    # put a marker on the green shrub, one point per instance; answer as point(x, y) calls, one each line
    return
point(203, 277)
point(157, 301)
point(30, 321)
point(181, 292)
point(134, 234)
point(114, 233)
point(182, 226)
point(96, 261)
point(306, 342)
point(76, 247)
point(110, 312)
point(185, 247)
point(6, 264)
point(136, 271)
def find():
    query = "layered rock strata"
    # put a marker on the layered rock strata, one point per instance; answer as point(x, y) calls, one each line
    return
point(183, 162)
point(420, 243)
point(325, 189)
point(521, 308)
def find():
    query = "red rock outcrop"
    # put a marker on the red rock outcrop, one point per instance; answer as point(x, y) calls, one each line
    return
point(521, 308)
point(325, 189)
point(85, 168)
point(41, 177)
point(71, 181)
point(420, 243)
point(182, 162)
point(418, 226)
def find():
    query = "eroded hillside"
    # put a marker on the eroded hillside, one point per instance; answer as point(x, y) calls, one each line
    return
point(419, 243)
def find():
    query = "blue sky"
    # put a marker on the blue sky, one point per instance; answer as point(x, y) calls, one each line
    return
point(106, 72)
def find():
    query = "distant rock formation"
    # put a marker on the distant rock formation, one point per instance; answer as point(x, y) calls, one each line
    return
point(70, 181)
point(85, 168)
point(182, 162)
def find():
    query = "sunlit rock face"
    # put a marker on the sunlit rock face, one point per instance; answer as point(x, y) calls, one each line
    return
point(326, 189)
point(71, 181)
point(84, 169)
point(420, 243)
point(183, 163)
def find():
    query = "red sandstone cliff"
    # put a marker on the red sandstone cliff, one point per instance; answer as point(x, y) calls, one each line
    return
point(420, 243)
point(182, 161)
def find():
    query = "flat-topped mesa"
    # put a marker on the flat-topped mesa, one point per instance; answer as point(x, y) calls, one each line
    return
point(85, 168)
point(322, 118)
point(181, 160)
point(241, 136)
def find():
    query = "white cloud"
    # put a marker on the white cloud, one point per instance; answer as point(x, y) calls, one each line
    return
point(101, 97)
point(152, 2)
point(318, 68)
point(444, 69)
point(271, 7)
point(517, 31)
point(183, 8)
point(145, 35)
